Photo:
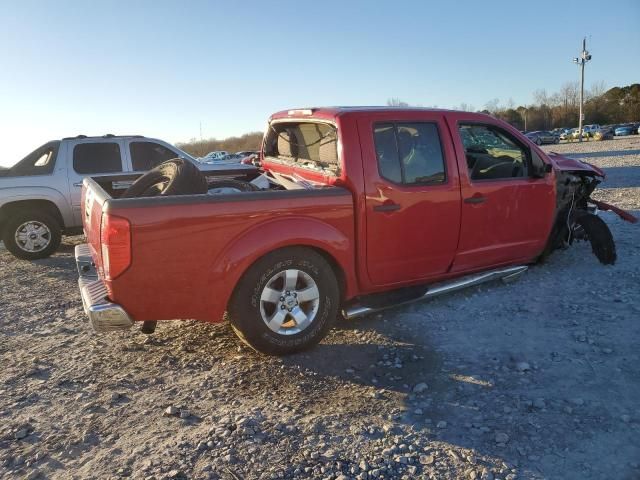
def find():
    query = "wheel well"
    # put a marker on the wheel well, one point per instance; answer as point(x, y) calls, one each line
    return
point(22, 205)
point(335, 266)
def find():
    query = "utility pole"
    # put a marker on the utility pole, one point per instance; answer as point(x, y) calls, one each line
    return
point(584, 58)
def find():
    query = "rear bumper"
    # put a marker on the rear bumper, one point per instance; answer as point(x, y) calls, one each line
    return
point(104, 315)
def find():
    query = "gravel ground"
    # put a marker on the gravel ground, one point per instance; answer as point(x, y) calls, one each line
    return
point(535, 379)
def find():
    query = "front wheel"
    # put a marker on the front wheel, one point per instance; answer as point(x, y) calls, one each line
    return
point(286, 302)
point(31, 235)
point(538, 141)
point(594, 229)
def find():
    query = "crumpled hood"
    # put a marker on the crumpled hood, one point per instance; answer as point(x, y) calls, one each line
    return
point(567, 164)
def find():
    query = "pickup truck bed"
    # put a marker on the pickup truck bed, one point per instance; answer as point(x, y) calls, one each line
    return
point(219, 235)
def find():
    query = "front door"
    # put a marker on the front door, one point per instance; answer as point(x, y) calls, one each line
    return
point(412, 197)
point(506, 214)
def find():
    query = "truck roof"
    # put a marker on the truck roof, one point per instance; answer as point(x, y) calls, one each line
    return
point(332, 112)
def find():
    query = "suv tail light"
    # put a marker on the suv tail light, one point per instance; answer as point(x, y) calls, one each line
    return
point(115, 238)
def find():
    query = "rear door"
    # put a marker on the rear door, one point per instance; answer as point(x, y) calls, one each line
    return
point(506, 213)
point(91, 158)
point(412, 196)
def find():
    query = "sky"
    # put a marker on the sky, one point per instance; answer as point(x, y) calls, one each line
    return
point(167, 69)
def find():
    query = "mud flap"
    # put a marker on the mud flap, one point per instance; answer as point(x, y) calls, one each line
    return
point(599, 235)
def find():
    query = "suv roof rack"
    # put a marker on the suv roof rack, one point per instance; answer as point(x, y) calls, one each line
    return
point(106, 135)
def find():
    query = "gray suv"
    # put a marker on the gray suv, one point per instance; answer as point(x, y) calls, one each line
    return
point(40, 195)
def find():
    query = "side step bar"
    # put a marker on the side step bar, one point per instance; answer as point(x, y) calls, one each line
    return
point(508, 274)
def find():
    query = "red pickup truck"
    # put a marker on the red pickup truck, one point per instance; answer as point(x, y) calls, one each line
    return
point(351, 210)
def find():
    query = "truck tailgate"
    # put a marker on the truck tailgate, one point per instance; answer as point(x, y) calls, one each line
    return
point(93, 199)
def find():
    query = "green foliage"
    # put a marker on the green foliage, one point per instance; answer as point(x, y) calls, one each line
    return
point(199, 148)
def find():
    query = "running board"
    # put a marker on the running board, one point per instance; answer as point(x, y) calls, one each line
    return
point(506, 274)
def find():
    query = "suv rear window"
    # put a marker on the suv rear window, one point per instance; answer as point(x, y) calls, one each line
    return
point(310, 144)
point(97, 158)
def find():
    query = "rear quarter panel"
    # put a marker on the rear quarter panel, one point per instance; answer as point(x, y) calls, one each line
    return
point(189, 253)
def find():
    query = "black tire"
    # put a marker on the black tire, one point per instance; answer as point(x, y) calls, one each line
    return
point(230, 184)
point(556, 141)
point(599, 235)
point(244, 309)
point(45, 220)
point(173, 177)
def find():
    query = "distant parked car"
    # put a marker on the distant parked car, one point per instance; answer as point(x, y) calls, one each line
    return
point(542, 136)
point(590, 129)
point(214, 156)
point(575, 134)
point(605, 133)
point(624, 130)
point(565, 134)
point(246, 153)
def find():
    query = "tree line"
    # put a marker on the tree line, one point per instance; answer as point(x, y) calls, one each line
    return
point(562, 108)
point(199, 148)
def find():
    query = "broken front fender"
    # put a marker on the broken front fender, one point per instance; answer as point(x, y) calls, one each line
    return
point(566, 164)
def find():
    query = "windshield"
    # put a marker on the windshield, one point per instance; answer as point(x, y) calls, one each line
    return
point(39, 162)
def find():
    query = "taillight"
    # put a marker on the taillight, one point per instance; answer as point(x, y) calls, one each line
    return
point(115, 238)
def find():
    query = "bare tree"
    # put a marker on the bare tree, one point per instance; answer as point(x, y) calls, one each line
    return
point(396, 102)
point(493, 105)
point(597, 89)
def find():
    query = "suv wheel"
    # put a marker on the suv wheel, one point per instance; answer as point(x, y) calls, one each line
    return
point(286, 302)
point(32, 235)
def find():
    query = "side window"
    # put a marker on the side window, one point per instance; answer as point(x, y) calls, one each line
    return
point(97, 158)
point(409, 153)
point(492, 153)
point(147, 155)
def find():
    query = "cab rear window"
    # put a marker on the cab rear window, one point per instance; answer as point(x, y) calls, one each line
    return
point(309, 144)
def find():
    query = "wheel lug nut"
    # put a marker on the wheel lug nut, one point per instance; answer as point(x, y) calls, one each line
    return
point(295, 294)
point(282, 307)
point(282, 299)
point(287, 292)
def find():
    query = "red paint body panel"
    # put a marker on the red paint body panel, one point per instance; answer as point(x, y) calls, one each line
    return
point(187, 256)
point(187, 261)
point(514, 222)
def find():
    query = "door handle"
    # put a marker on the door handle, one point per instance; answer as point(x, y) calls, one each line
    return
point(475, 199)
point(77, 184)
point(387, 207)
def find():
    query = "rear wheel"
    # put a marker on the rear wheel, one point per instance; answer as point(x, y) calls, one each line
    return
point(286, 302)
point(538, 141)
point(31, 235)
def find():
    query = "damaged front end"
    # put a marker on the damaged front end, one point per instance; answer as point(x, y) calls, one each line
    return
point(576, 211)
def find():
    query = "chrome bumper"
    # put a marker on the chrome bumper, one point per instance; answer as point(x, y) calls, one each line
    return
point(104, 315)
